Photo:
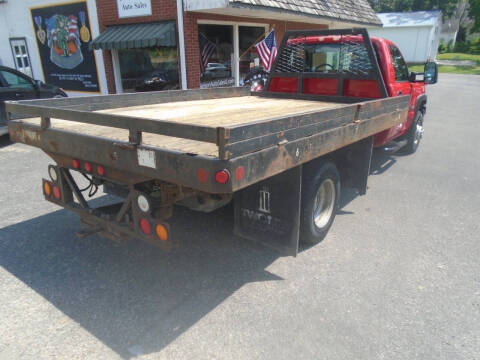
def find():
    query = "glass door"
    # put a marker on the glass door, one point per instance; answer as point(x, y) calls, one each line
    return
point(20, 56)
point(216, 55)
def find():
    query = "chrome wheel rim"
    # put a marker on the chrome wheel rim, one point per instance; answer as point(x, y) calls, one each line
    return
point(324, 203)
point(418, 133)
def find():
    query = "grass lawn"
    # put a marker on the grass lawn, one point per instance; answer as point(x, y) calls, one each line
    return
point(452, 69)
point(468, 70)
point(459, 56)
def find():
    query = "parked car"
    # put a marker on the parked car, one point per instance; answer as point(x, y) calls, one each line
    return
point(139, 74)
point(215, 71)
point(15, 85)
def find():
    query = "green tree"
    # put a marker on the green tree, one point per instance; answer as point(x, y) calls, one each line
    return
point(446, 6)
point(474, 14)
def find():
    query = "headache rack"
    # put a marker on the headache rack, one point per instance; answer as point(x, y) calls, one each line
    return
point(357, 61)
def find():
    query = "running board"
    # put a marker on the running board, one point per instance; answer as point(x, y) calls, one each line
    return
point(394, 146)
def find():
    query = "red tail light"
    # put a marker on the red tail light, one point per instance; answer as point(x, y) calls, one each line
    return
point(56, 192)
point(145, 226)
point(202, 176)
point(100, 170)
point(88, 167)
point(76, 164)
point(222, 176)
point(240, 173)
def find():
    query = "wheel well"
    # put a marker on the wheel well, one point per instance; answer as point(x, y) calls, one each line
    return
point(352, 162)
point(422, 105)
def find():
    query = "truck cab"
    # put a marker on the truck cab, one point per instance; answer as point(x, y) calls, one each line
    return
point(339, 65)
point(399, 81)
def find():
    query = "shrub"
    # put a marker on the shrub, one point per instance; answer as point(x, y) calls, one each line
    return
point(462, 47)
point(450, 46)
point(442, 48)
point(475, 47)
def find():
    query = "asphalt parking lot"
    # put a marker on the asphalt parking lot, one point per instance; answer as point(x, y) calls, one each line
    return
point(398, 276)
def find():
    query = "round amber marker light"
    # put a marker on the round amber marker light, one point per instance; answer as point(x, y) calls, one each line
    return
point(162, 232)
point(46, 189)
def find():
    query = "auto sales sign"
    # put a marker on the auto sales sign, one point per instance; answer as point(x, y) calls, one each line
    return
point(131, 8)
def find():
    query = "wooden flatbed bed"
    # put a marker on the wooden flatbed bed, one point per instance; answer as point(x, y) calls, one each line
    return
point(209, 129)
point(211, 113)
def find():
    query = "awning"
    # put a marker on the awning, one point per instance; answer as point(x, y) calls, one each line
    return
point(136, 36)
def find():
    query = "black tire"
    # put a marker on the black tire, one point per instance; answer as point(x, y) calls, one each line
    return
point(314, 176)
point(414, 134)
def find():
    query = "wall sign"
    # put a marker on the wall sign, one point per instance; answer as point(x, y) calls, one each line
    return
point(130, 8)
point(63, 32)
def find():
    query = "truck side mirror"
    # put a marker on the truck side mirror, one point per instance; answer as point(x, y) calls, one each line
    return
point(431, 73)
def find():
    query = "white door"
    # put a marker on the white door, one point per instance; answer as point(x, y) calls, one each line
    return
point(20, 56)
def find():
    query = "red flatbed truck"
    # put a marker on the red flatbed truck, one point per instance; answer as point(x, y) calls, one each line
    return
point(281, 155)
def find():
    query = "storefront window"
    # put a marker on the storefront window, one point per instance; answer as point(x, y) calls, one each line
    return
point(249, 60)
point(149, 69)
point(216, 54)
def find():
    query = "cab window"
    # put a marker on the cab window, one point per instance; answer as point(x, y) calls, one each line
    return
point(14, 80)
point(399, 64)
point(337, 57)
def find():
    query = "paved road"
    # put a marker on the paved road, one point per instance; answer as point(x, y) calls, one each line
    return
point(398, 277)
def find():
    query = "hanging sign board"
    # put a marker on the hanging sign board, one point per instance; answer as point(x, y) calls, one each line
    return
point(131, 8)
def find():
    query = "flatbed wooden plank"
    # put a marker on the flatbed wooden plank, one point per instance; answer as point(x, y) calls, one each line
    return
point(210, 113)
point(160, 141)
point(224, 112)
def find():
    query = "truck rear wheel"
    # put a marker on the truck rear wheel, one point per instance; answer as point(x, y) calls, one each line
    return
point(320, 196)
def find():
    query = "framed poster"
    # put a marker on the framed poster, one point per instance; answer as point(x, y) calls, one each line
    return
point(62, 32)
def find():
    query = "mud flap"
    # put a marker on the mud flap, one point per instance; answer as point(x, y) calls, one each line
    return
point(269, 211)
point(358, 164)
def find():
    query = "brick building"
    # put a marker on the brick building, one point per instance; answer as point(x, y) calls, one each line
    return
point(143, 45)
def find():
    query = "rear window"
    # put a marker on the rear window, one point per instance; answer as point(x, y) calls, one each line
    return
point(329, 57)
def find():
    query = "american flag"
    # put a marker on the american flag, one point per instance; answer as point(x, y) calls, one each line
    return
point(267, 50)
point(206, 50)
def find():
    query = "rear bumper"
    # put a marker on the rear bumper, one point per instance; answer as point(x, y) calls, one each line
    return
point(119, 221)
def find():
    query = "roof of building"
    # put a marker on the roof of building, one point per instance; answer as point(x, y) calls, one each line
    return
point(407, 19)
point(356, 11)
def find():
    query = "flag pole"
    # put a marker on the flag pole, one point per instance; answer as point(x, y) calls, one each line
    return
point(256, 41)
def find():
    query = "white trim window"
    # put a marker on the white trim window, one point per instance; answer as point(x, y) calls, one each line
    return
point(20, 55)
point(239, 36)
